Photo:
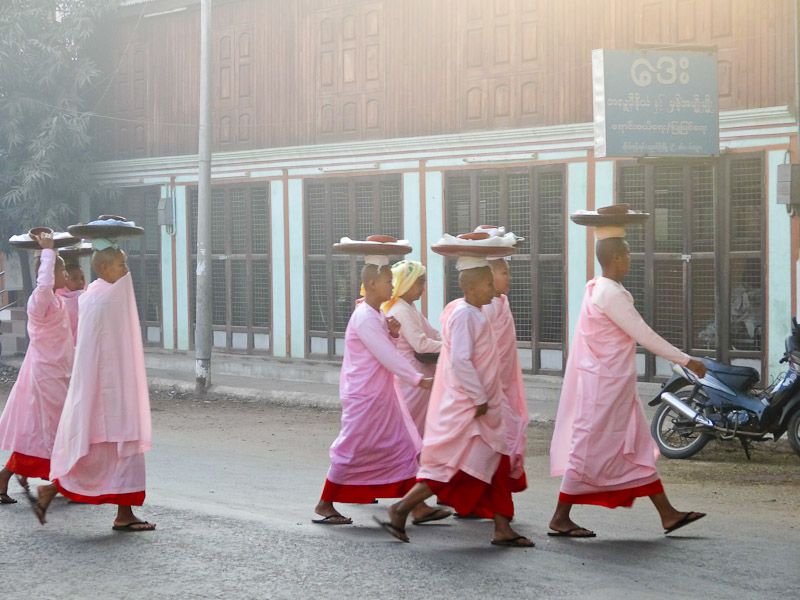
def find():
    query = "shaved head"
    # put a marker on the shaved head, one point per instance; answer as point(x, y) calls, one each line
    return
point(370, 273)
point(102, 258)
point(610, 248)
point(469, 278)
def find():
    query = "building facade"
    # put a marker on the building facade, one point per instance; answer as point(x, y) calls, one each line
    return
point(416, 117)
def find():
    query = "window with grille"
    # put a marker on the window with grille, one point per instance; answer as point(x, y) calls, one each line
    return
point(681, 267)
point(337, 208)
point(144, 253)
point(531, 203)
point(241, 275)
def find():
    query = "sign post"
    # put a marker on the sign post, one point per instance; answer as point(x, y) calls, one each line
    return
point(655, 103)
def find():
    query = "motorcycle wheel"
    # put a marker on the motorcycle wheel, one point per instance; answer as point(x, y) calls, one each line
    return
point(676, 436)
point(793, 432)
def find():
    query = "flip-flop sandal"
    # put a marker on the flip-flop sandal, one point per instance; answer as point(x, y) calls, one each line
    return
point(689, 517)
point(395, 532)
point(571, 533)
point(6, 499)
point(132, 527)
point(336, 519)
point(518, 542)
point(437, 515)
point(23, 482)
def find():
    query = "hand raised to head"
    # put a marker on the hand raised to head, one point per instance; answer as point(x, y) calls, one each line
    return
point(45, 240)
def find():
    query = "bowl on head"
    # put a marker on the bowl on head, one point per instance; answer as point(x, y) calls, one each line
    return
point(384, 239)
point(37, 231)
point(614, 209)
point(478, 235)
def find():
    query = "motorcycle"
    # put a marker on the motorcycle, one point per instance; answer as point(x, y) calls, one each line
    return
point(727, 405)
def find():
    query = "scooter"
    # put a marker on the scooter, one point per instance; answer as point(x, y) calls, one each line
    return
point(727, 405)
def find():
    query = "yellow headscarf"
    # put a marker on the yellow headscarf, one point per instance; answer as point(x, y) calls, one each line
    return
point(404, 274)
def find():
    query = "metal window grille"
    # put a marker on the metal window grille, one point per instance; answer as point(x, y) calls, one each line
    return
point(144, 253)
point(704, 313)
point(746, 260)
point(335, 208)
point(697, 266)
point(670, 302)
point(530, 203)
point(240, 268)
point(550, 242)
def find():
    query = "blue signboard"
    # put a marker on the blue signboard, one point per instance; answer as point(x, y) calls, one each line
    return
point(655, 103)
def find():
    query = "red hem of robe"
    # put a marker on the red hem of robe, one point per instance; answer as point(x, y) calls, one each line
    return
point(471, 496)
point(129, 499)
point(614, 498)
point(29, 466)
point(364, 494)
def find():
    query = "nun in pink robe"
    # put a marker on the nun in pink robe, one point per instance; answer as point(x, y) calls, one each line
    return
point(601, 445)
point(465, 459)
point(375, 454)
point(30, 419)
point(70, 299)
point(98, 455)
point(505, 334)
point(417, 335)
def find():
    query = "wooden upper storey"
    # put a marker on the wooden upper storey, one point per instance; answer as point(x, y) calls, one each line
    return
point(296, 72)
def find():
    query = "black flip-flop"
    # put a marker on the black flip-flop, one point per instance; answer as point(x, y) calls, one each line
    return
point(437, 515)
point(131, 527)
point(689, 517)
point(395, 532)
point(329, 520)
point(570, 533)
point(6, 499)
point(514, 542)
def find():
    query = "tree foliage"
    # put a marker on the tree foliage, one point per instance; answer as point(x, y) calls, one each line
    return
point(46, 84)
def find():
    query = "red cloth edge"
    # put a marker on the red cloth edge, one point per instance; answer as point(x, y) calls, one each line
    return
point(364, 494)
point(130, 499)
point(614, 498)
point(29, 466)
point(471, 496)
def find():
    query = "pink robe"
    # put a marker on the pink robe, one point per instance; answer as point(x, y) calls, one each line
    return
point(467, 375)
point(105, 426)
point(378, 442)
point(70, 299)
point(602, 441)
point(416, 335)
point(30, 419)
point(505, 334)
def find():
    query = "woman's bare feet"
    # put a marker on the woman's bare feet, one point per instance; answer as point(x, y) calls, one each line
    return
point(422, 513)
point(568, 528)
point(504, 535)
point(682, 519)
point(44, 496)
point(563, 526)
point(127, 521)
point(5, 477)
point(329, 514)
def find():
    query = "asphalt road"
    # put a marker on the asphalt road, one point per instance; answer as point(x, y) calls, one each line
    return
point(232, 486)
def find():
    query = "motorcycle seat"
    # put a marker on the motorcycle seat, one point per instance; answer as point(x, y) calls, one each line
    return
point(739, 378)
